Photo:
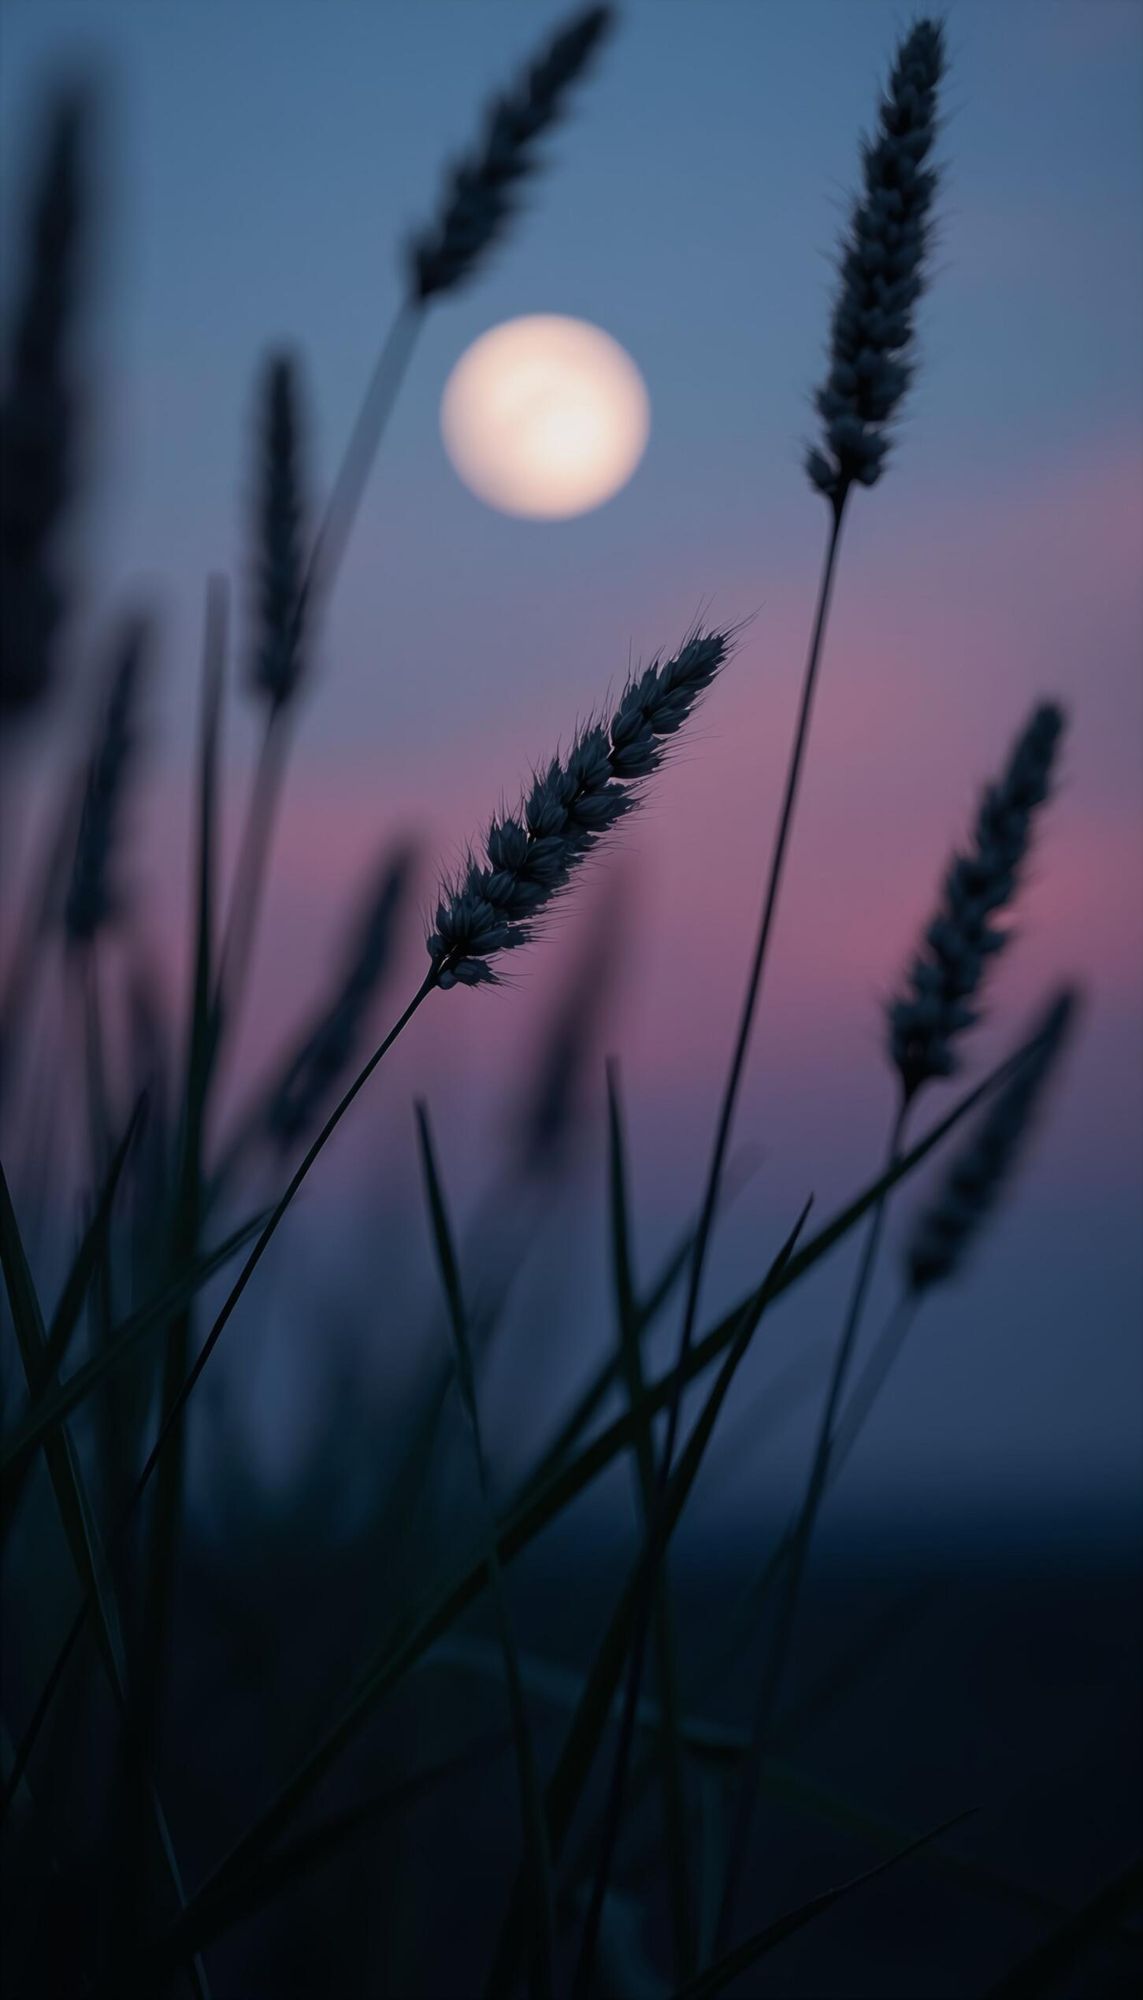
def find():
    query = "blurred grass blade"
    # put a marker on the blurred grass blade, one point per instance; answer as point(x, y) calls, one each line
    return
point(745, 1955)
point(712, 1857)
point(1042, 1969)
point(322, 1843)
point(52, 1408)
point(531, 1798)
point(65, 1319)
point(186, 1222)
point(538, 1507)
point(82, 1534)
point(654, 1302)
point(643, 1450)
point(602, 1683)
point(92, 1249)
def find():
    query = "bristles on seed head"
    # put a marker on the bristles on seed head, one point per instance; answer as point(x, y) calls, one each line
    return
point(576, 800)
point(882, 275)
point(943, 980)
point(479, 202)
point(975, 1182)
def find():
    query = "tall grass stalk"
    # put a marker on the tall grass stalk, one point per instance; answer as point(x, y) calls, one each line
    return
point(882, 275)
point(473, 215)
point(631, 1357)
point(527, 1770)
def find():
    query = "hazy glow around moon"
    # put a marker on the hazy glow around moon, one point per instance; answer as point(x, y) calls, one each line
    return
point(545, 416)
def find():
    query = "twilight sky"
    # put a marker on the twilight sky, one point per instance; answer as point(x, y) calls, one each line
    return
point(266, 161)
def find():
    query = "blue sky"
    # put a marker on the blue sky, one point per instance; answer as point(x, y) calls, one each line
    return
point(266, 162)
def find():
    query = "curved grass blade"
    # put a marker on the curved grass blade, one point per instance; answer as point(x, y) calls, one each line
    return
point(643, 1450)
point(56, 1404)
point(1047, 1963)
point(324, 1842)
point(745, 1955)
point(81, 1531)
point(538, 1508)
point(531, 1798)
point(85, 1264)
point(602, 1683)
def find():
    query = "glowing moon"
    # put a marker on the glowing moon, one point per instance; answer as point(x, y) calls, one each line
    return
point(545, 416)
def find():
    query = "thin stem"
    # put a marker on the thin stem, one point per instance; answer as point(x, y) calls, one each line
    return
point(270, 1228)
point(173, 1415)
point(353, 472)
point(779, 1651)
point(321, 569)
point(754, 982)
point(872, 1379)
point(250, 871)
point(706, 1220)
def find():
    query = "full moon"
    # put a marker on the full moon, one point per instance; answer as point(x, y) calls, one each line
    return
point(545, 416)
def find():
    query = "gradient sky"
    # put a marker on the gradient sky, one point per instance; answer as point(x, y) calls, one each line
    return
point(267, 160)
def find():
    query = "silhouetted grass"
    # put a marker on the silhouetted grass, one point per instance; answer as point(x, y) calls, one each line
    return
point(288, 1754)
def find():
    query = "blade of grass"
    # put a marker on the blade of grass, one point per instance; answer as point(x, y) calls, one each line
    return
point(531, 1798)
point(593, 1711)
point(631, 1360)
point(537, 1509)
point(324, 1842)
point(55, 1406)
point(92, 1249)
point(710, 1205)
point(1040, 1971)
point(80, 1529)
point(718, 1748)
point(145, 1726)
point(794, 1571)
point(747, 1954)
point(606, 1376)
point(186, 1219)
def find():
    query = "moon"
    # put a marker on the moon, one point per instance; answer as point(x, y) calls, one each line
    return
point(545, 416)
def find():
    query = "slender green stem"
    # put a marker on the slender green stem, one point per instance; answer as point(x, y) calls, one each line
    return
point(707, 1212)
point(778, 1655)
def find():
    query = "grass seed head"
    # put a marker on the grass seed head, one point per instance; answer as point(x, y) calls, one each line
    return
point(882, 274)
point(40, 408)
point(975, 1182)
point(277, 664)
point(479, 201)
point(531, 856)
point(948, 970)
